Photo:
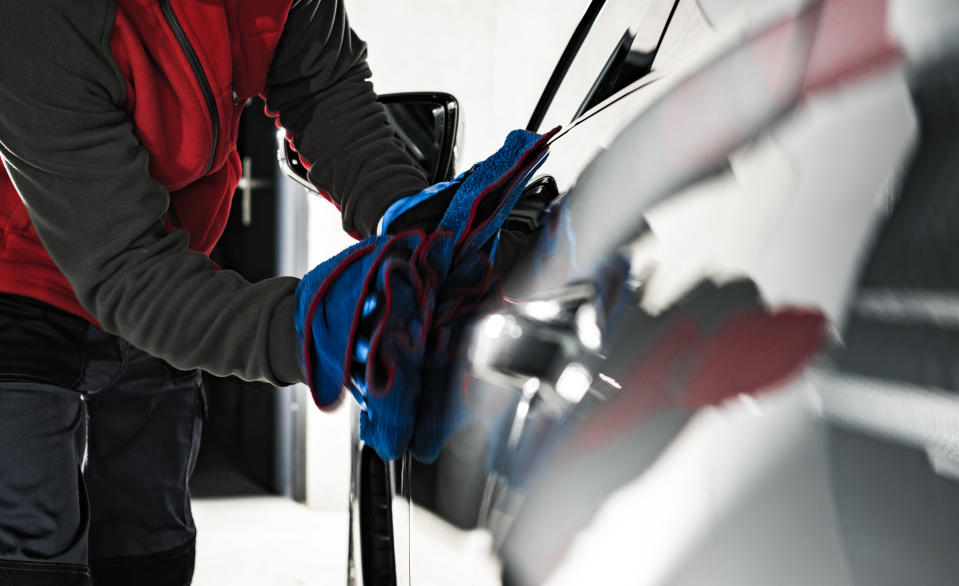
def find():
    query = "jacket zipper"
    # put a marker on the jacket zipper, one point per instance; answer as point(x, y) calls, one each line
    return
point(201, 78)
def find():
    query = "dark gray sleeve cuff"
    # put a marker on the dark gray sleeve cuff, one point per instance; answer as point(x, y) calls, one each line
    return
point(284, 344)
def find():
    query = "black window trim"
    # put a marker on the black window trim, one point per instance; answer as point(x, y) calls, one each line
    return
point(614, 63)
point(569, 55)
point(565, 60)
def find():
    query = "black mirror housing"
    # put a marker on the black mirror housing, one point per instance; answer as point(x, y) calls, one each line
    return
point(426, 122)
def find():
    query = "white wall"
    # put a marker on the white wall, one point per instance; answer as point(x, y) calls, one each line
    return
point(327, 434)
point(495, 56)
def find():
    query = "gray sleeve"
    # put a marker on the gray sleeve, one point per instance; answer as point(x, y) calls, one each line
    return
point(318, 85)
point(69, 147)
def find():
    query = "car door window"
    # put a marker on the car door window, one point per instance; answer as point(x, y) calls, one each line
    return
point(618, 48)
point(689, 35)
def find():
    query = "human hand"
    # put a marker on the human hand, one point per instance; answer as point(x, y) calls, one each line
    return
point(371, 319)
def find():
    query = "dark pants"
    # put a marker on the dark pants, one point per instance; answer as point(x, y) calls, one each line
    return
point(97, 442)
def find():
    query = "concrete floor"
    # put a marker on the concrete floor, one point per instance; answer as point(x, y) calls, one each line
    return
point(268, 540)
point(247, 536)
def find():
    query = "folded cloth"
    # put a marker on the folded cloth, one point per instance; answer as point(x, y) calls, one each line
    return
point(421, 211)
point(469, 290)
point(365, 318)
point(469, 286)
point(362, 318)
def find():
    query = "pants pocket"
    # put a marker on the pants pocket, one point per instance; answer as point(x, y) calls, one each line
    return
point(40, 343)
point(14, 573)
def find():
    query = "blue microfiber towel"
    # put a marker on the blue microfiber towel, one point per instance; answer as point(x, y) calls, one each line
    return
point(363, 318)
point(325, 306)
point(469, 290)
point(474, 217)
point(421, 210)
point(386, 312)
point(341, 294)
point(491, 189)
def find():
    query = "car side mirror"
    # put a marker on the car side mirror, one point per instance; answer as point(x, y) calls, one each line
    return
point(426, 122)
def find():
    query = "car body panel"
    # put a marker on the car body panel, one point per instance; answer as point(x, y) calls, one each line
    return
point(765, 199)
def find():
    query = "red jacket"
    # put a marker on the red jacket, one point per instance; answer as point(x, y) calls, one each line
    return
point(118, 124)
point(234, 42)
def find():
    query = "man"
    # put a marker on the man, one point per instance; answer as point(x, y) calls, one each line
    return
point(118, 122)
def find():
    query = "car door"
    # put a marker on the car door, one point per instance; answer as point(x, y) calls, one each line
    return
point(790, 205)
point(783, 175)
point(600, 83)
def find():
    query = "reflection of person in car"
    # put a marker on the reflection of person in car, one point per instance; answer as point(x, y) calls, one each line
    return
point(118, 129)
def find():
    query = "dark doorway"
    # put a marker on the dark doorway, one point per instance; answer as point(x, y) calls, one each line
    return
point(248, 444)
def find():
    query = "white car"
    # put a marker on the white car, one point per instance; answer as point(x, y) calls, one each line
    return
point(730, 352)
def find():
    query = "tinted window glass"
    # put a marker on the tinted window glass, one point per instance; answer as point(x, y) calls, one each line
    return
point(618, 49)
point(633, 56)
